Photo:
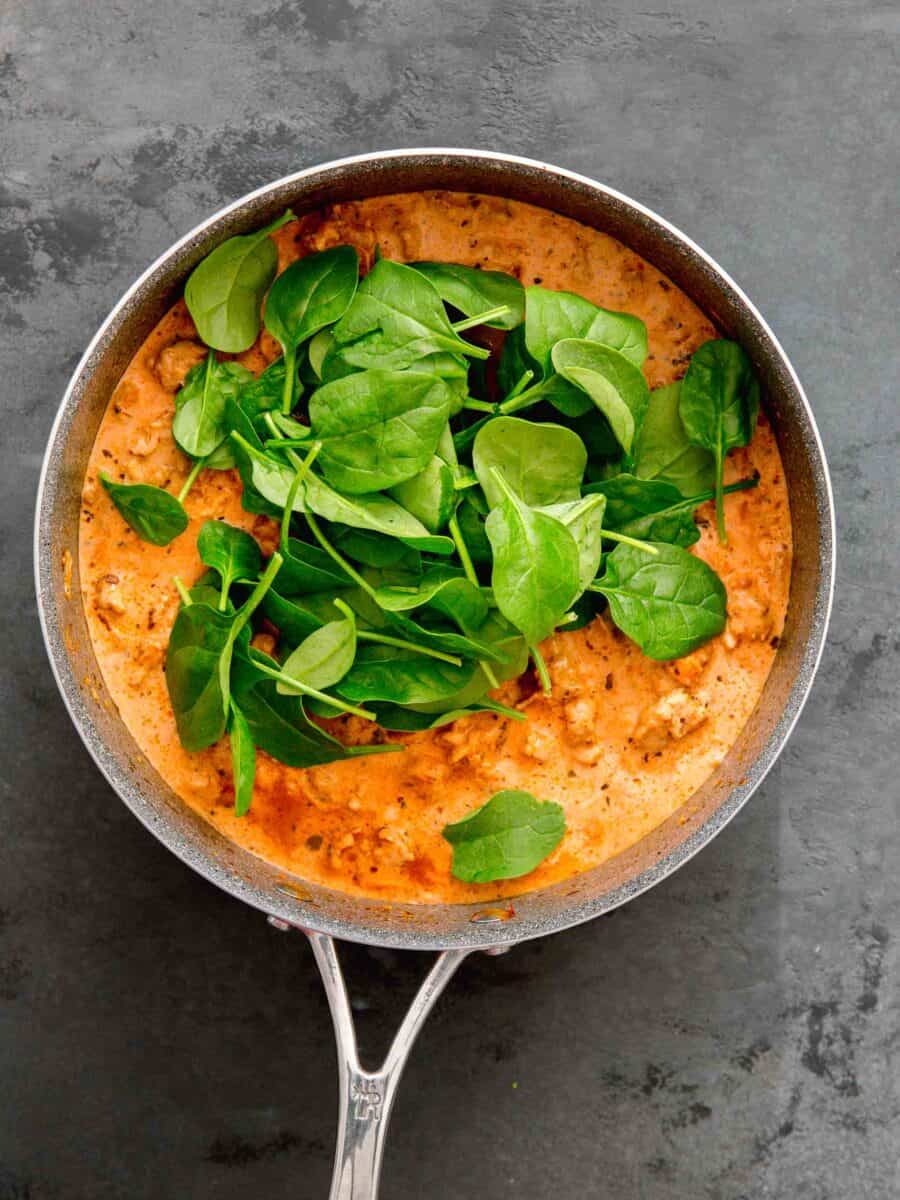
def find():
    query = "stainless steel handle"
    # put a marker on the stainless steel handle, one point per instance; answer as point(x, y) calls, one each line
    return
point(366, 1097)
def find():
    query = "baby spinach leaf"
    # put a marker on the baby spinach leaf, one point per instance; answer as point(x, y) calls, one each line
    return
point(471, 528)
point(473, 291)
point(243, 761)
point(649, 509)
point(430, 495)
point(663, 451)
point(376, 549)
point(505, 640)
point(615, 385)
point(444, 589)
point(308, 569)
point(378, 428)
point(396, 317)
point(407, 720)
point(542, 463)
point(154, 514)
point(279, 725)
point(198, 662)
point(396, 676)
point(552, 316)
point(263, 393)
point(669, 603)
point(719, 405)
point(505, 838)
point(318, 349)
point(323, 658)
point(200, 424)
point(584, 520)
point(224, 292)
point(231, 552)
point(536, 566)
point(311, 293)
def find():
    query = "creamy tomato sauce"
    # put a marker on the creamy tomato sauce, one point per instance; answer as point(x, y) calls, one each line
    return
point(622, 743)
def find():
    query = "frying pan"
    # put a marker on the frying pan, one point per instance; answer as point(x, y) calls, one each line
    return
point(455, 930)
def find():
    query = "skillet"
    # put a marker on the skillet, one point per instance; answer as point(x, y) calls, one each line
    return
point(454, 930)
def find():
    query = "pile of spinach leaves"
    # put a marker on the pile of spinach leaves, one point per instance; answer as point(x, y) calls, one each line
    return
point(438, 519)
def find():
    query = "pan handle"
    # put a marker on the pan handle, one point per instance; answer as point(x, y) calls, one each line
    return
point(366, 1097)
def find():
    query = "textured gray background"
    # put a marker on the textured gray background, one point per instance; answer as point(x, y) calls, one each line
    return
point(734, 1034)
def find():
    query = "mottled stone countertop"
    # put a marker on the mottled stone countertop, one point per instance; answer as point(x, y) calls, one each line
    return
point(733, 1035)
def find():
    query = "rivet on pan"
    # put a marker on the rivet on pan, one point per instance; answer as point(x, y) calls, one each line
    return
point(295, 891)
point(277, 923)
point(492, 916)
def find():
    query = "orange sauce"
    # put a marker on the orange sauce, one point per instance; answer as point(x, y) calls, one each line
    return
point(622, 743)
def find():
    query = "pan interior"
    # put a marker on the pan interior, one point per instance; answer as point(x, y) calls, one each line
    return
point(434, 926)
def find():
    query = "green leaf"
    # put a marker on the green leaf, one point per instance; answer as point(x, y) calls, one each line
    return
point(584, 520)
point(231, 552)
point(551, 317)
point(663, 450)
point(200, 423)
point(536, 566)
point(649, 509)
point(311, 293)
point(396, 676)
point(719, 406)
point(224, 292)
point(263, 393)
point(308, 569)
point(318, 348)
point(430, 495)
point(473, 291)
point(375, 549)
point(279, 724)
point(154, 515)
point(396, 317)
point(669, 603)
point(507, 837)
point(197, 672)
point(378, 428)
point(323, 658)
point(408, 720)
point(614, 384)
point(243, 761)
point(542, 463)
point(444, 589)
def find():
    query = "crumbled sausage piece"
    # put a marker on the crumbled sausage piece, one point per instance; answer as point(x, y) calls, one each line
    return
point(264, 642)
point(674, 716)
point(108, 594)
point(581, 718)
point(175, 361)
point(541, 744)
point(144, 444)
point(689, 670)
point(749, 613)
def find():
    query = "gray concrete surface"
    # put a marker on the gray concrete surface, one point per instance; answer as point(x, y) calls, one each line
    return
point(735, 1034)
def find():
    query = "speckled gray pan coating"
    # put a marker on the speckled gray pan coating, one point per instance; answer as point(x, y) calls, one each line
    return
point(539, 912)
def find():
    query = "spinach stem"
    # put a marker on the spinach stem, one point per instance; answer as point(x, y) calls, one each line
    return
point(541, 667)
point(720, 497)
point(630, 541)
point(245, 612)
point(521, 384)
point(512, 713)
point(465, 436)
point(383, 639)
point(489, 673)
point(480, 406)
point(290, 371)
point(480, 318)
point(340, 705)
point(182, 592)
point(338, 557)
point(514, 403)
point(195, 470)
point(462, 550)
point(462, 482)
point(302, 471)
point(286, 443)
